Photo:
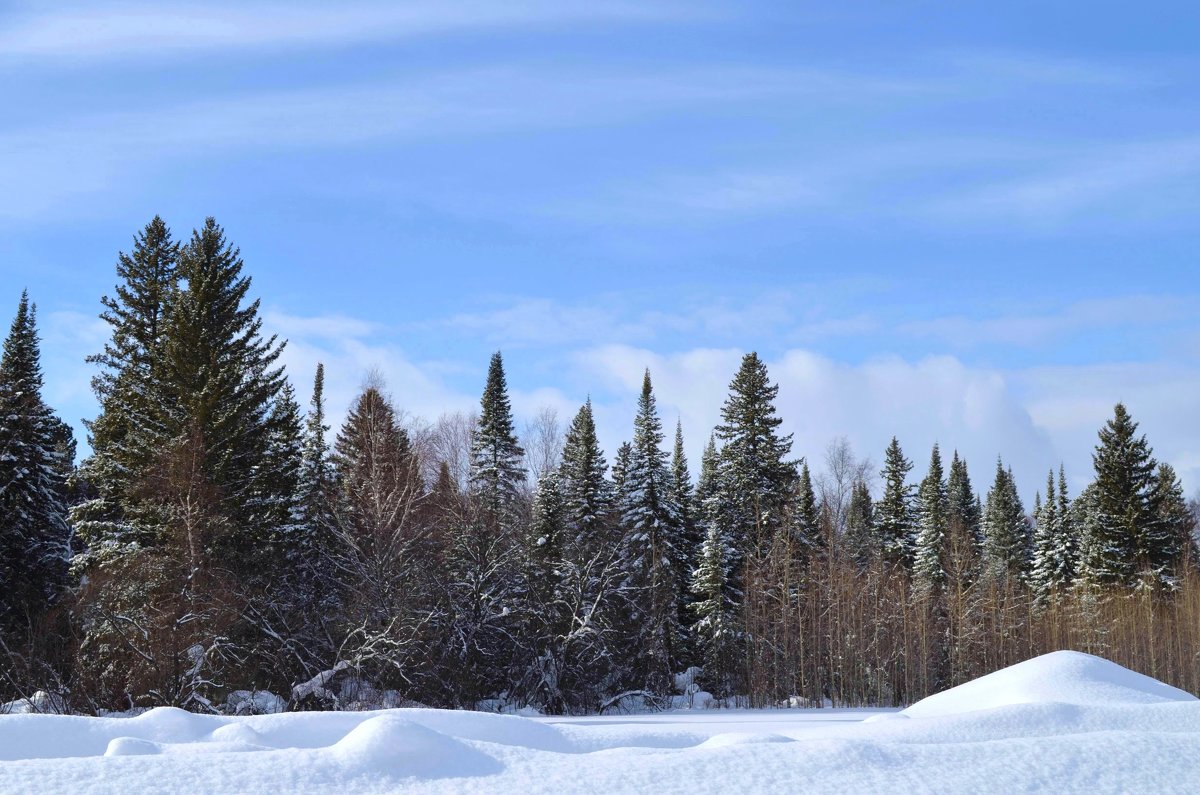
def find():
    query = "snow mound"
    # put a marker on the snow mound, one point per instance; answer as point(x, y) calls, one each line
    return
point(1061, 677)
point(728, 739)
point(397, 747)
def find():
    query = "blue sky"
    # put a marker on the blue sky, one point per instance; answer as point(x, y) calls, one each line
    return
point(967, 222)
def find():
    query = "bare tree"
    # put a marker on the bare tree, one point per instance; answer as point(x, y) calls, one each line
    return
point(543, 443)
point(835, 485)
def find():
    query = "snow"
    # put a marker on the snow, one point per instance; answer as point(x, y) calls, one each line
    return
point(1065, 722)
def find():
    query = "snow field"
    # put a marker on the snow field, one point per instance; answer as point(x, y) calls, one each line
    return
point(1065, 722)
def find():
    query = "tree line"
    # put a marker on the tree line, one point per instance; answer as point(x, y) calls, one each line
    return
point(218, 540)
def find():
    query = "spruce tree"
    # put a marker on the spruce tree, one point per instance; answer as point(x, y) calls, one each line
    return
point(1045, 541)
point(1131, 542)
point(33, 511)
point(805, 529)
point(962, 502)
point(222, 383)
point(862, 538)
point(894, 511)
point(1006, 529)
point(1174, 512)
point(714, 605)
point(587, 493)
point(756, 477)
point(496, 456)
point(128, 435)
point(651, 548)
point(930, 549)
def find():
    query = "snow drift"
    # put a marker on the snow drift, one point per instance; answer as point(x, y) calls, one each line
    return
point(1065, 722)
point(1061, 677)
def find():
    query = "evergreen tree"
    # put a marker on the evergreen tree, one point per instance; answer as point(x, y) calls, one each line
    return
point(1130, 540)
point(862, 539)
point(805, 528)
point(683, 495)
point(894, 512)
point(620, 470)
point(1174, 512)
point(127, 436)
point(756, 478)
point(221, 386)
point(587, 494)
point(1006, 528)
point(933, 514)
point(1045, 541)
point(651, 549)
point(962, 502)
point(33, 527)
point(714, 605)
point(496, 456)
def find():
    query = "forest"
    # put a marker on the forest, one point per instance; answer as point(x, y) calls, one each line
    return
point(221, 548)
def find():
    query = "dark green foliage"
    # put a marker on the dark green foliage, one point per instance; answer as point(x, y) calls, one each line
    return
point(894, 519)
point(933, 525)
point(1007, 535)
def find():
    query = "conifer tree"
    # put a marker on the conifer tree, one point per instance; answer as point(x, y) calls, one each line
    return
point(651, 548)
point(33, 512)
point(620, 469)
point(756, 477)
point(714, 605)
point(315, 478)
point(1045, 540)
point(587, 493)
point(683, 495)
point(962, 502)
point(127, 436)
point(222, 382)
point(862, 539)
point(496, 455)
point(1130, 541)
point(1006, 529)
point(894, 511)
point(929, 557)
point(804, 522)
point(1174, 512)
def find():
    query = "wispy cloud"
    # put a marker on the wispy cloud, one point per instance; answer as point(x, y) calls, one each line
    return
point(83, 32)
point(962, 331)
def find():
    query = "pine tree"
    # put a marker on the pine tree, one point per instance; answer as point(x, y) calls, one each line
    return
point(1045, 540)
point(962, 502)
point(1006, 529)
point(496, 456)
point(756, 477)
point(620, 469)
point(933, 513)
point(894, 512)
point(315, 478)
point(127, 436)
point(33, 527)
point(651, 547)
point(683, 494)
point(1130, 541)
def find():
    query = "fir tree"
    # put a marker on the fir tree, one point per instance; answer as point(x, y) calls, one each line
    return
point(930, 550)
point(651, 547)
point(1175, 514)
point(894, 512)
point(33, 527)
point(1006, 529)
point(620, 469)
point(962, 502)
point(756, 477)
point(496, 456)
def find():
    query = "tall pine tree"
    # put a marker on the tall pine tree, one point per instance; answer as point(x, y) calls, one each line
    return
point(894, 511)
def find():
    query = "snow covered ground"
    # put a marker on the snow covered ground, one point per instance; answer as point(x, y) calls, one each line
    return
point(1065, 722)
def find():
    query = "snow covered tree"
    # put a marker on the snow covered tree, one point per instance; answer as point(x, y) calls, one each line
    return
point(651, 549)
point(933, 514)
point(1006, 529)
point(1176, 515)
point(717, 629)
point(33, 511)
point(496, 456)
point(1054, 541)
point(756, 477)
point(962, 502)
point(620, 469)
point(586, 491)
point(894, 511)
